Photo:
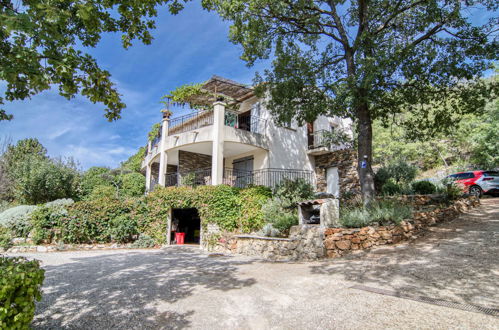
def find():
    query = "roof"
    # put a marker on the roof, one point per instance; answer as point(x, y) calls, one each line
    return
point(232, 91)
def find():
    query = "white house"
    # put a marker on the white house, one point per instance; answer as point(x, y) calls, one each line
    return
point(238, 143)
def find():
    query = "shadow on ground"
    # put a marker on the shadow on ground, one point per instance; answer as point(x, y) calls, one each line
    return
point(456, 261)
point(120, 290)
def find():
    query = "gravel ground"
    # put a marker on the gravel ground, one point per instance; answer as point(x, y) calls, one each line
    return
point(180, 287)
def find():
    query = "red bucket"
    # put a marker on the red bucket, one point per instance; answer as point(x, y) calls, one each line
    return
point(179, 237)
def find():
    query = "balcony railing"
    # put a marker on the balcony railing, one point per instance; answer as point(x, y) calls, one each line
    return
point(248, 123)
point(319, 140)
point(269, 177)
point(190, 122)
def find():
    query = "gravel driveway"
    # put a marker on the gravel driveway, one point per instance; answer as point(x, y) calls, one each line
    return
point(181, 287)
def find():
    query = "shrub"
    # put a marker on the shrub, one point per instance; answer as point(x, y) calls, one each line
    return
point(391, 188)
point(398, 172)
point(423, 187)
point(377, 213)
point(90, 221)
point(39, 180)
point(252, 199)
point(17, 219)
point(292, 191)
point(60, 202)
point(269, 231)
point(20, 285)
point(280, 217)
point(123, 228)
point(46, 221)
point(102, 191)
point(143, 242)
point(133, 185)
point(5, 238)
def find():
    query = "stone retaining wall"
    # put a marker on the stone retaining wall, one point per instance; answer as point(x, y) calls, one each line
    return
point(339, 241)
point(310, 242)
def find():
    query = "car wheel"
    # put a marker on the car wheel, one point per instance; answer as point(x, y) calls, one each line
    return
point(476, 191)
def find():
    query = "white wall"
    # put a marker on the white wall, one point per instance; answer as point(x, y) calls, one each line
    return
point(260, 159)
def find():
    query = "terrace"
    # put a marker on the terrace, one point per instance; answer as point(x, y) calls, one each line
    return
point(269, 177)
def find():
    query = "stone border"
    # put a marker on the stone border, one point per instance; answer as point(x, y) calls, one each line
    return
point(339, 241)
point(311, 242)
point(69, 247)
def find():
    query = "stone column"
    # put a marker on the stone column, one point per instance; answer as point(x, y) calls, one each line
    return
point(217, 155)
point(148, 177)
point(163, 159)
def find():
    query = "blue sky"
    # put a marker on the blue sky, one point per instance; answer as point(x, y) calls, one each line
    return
point(188, 48)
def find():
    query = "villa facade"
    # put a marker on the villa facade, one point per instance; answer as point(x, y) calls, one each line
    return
point(238, 143)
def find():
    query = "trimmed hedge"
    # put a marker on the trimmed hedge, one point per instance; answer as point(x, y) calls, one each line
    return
point(20, 286)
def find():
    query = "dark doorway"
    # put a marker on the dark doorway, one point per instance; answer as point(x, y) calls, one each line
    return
point(186, 221)
point(310, 135)
point(243, 171)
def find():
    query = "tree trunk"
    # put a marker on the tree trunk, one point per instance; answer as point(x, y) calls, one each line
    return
point(364, 153)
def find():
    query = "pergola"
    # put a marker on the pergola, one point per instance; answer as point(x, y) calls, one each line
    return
point(218, 87)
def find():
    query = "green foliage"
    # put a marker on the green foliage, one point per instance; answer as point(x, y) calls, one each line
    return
point(187, 95)
point(383, 213)
point(472, 141)
point(92, 221)
point(391, 188)
point(154, 132)
point(252, 200)
point(485, 139)
point(143, 242)
point(292, 191)
point(16, 219)
point(94, 176)
point(46, 221)
point(39, 180)
point(22, 149)
point(123, 228)
point(5, 238)
point(423, 187)
point(135, 161)
point(279, 215)
point(20, 284)
point(102, 191)
point(42, 42)
point(133, 185)
point(188, 179)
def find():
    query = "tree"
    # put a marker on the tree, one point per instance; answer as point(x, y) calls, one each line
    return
point(364, 60)
point(134, 163)
point(40, 180)
point(40, 42)
point(93, 177)
point(22, 149)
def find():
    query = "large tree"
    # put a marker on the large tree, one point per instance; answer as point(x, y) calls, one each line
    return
point(365, 59)
point(41, 43)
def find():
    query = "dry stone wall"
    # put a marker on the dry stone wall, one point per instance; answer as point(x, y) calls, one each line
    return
point(346, 162)
point(310, 242)
point(339, 241)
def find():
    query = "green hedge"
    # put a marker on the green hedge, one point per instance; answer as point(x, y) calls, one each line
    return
point(232, 209)
point(20, 286)
point(108, 219)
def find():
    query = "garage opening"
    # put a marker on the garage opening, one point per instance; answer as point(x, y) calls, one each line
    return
point(186, 221)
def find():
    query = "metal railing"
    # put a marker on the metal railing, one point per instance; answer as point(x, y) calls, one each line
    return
point(199, 177)
point(319, 139)
point(269, 177)
point(248, 123)
point(190, 122)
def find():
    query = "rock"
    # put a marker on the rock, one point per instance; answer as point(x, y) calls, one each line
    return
point(329, 244)
point(343, 245)
point(41, 249)
point(355, 240)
